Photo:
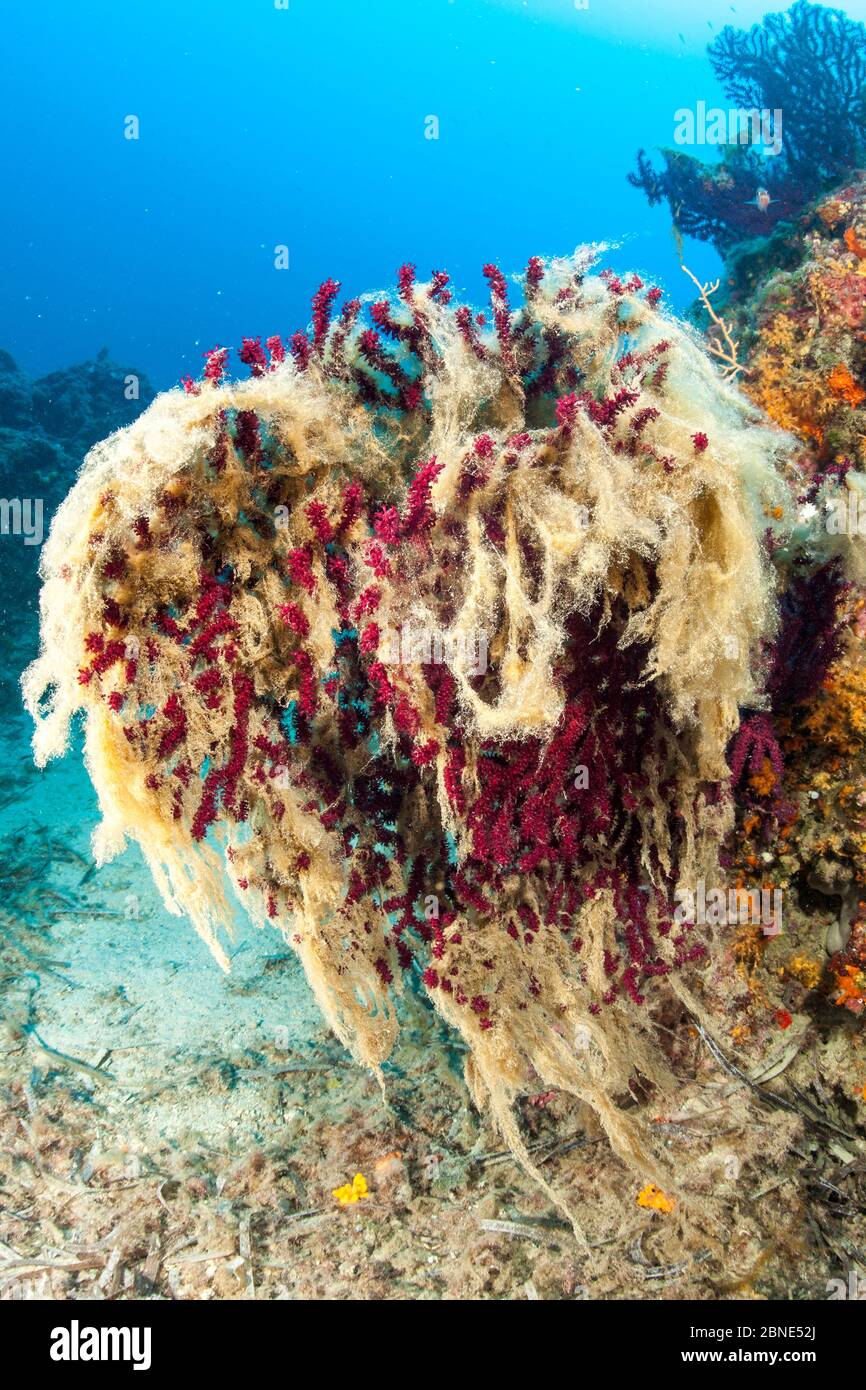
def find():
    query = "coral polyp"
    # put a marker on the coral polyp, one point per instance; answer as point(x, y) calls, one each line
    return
point(434, 632)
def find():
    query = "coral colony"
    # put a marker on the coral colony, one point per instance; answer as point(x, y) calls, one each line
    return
point(795, 128)
point(570, 478)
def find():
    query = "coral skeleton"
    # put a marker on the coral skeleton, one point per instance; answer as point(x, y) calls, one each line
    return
point(719, 339)
point(570, 478)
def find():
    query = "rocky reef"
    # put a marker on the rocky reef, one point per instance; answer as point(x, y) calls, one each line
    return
point(787, 321)
point(797, 304)
point(47, 426)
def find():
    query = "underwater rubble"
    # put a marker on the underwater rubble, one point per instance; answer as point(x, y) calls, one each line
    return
point(47, 425)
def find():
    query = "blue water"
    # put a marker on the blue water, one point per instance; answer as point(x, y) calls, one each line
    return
point(304, 127)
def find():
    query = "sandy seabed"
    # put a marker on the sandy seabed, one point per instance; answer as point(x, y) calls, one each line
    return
point(170, 1131)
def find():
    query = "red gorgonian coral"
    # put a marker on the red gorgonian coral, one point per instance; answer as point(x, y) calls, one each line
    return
point(420, 626)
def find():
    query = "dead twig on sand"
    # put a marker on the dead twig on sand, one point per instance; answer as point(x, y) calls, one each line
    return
point(65, 1057)
point(810, 1115)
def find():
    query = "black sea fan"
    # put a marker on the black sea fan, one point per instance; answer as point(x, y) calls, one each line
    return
point(805, 68)
point(810, 63)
